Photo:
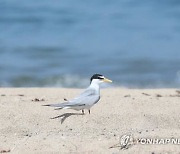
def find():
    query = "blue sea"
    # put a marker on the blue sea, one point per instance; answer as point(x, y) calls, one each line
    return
point(62, 43)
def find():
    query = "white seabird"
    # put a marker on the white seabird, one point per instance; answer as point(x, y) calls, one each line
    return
point(86, 99)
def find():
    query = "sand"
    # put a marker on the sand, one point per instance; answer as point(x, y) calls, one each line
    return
point(28, 127)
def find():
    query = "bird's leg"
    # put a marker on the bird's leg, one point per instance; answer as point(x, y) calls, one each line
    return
point(89, 111)
point(82, 111)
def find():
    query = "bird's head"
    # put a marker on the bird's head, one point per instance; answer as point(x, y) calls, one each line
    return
point(98, 78)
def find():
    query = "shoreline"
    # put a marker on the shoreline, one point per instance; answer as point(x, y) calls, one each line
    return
point(27, 126)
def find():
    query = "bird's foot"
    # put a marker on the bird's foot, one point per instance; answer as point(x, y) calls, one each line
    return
point(82, 111)
point(89, 111)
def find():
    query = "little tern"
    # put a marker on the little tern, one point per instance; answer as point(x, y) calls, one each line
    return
point(86, 99)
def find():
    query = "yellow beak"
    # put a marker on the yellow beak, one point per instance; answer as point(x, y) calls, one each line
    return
point(107, 80)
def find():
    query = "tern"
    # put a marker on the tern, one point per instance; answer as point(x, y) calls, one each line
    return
point(86, 99)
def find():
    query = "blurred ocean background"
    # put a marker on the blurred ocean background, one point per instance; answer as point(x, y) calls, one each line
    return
point(62, 43)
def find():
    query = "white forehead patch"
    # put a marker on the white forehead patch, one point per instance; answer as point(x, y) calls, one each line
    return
point(102, 77)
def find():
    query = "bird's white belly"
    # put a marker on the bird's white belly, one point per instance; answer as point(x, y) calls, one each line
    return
point(80, 107)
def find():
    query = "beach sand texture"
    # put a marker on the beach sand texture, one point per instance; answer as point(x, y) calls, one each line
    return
point(28, 127)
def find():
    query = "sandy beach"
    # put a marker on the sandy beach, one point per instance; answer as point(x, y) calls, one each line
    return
point(28, 127)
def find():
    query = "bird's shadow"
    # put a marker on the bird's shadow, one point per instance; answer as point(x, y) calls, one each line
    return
point(65, 116)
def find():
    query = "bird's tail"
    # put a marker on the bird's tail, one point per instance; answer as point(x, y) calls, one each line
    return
point(58, 106)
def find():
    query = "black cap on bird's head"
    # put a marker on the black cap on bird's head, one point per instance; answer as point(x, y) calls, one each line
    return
point(99, 77)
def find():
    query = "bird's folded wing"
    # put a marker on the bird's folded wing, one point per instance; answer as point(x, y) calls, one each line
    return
point(87, 92)
point(87, 97)
point(85, 100)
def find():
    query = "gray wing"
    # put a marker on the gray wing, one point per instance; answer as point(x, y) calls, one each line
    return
point(87, 92)
point(88, 97)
